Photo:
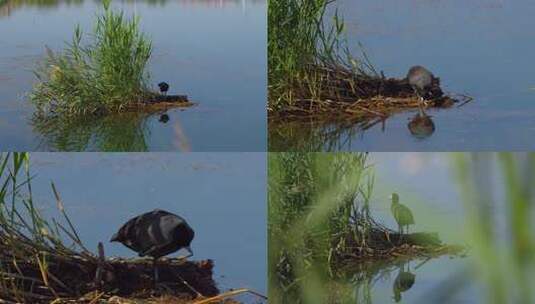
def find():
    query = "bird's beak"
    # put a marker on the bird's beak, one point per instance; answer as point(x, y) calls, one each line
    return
point(390, 196)
point(115, 238)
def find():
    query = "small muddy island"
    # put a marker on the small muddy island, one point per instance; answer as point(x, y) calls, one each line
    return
point(345, 93)
point(102, 74)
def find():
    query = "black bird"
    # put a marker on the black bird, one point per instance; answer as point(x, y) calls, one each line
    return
point(421, 125)
point(164, 87)
point(421, 81)
point(402, 214)
point(156, 234)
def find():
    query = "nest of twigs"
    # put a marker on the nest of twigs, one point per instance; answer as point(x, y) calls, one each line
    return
point(32, 272)
point(382, 243)
point(339, 91)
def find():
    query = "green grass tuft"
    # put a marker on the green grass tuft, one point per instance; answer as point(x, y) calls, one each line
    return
point(104, 75)
point(301, 41)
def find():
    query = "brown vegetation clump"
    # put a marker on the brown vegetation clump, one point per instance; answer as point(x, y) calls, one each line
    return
point(338, 91)
point(384, 244)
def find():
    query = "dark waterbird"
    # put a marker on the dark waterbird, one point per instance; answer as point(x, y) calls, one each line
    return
point(402, 214)
point(164, 87)
point(156, 234)
point(421, 80)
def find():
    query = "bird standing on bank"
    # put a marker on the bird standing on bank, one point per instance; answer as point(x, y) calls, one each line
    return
point(164, 87)
point(421, 81)
point(402, 214)
point(156, 234)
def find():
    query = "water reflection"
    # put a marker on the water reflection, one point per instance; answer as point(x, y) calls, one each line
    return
point(421, 126)
point(120, 132)
point(403, 282)
point(339, 135)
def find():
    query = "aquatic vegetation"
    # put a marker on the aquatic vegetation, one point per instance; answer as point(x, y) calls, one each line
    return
point(320, 222)
point(106, 74)
point(312, 73)
point(293, 36)
point(29, 243)
point(505, 254)
point(43, 259)
point(303, 49)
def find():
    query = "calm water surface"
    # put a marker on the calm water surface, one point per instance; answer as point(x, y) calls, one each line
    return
point(482, 48)
point(223, 197)
point(214, 51)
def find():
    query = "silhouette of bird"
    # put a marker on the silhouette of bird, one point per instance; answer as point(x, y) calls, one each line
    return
point(421, 81)
point(402, 214)
point(164, 87)
point(403, 282)
point(421, 126)
point(156, 234)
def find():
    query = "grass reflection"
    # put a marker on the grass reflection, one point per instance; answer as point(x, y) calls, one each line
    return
point(118, 132)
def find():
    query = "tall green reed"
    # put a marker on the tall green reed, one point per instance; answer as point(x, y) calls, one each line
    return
point(19, 217)
point(30, 244)
point(313, 201)
point(300, 36)
point(504, 256)
point(106, 74)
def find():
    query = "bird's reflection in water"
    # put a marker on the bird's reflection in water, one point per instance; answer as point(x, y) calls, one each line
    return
point(421, 125)
point(403, 282)
point(164, 118)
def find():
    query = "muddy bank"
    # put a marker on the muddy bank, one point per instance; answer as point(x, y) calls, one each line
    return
point(83, 280)
point(154, 103)
point(32, 272)
point(158, 103)
point(384, 244)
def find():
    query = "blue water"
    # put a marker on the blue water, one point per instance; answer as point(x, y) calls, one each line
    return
point(222, 196)
point(213, 51)
point(481, 48)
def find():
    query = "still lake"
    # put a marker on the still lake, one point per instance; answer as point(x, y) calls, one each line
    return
point(214, 51)
point(481, 48)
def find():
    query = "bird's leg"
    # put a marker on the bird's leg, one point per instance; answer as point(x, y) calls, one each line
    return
point(400, 229)
point(156, 274)
point(421, 107)
point(421, 103)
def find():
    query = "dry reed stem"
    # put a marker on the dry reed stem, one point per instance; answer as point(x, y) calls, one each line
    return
point(229, 294)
